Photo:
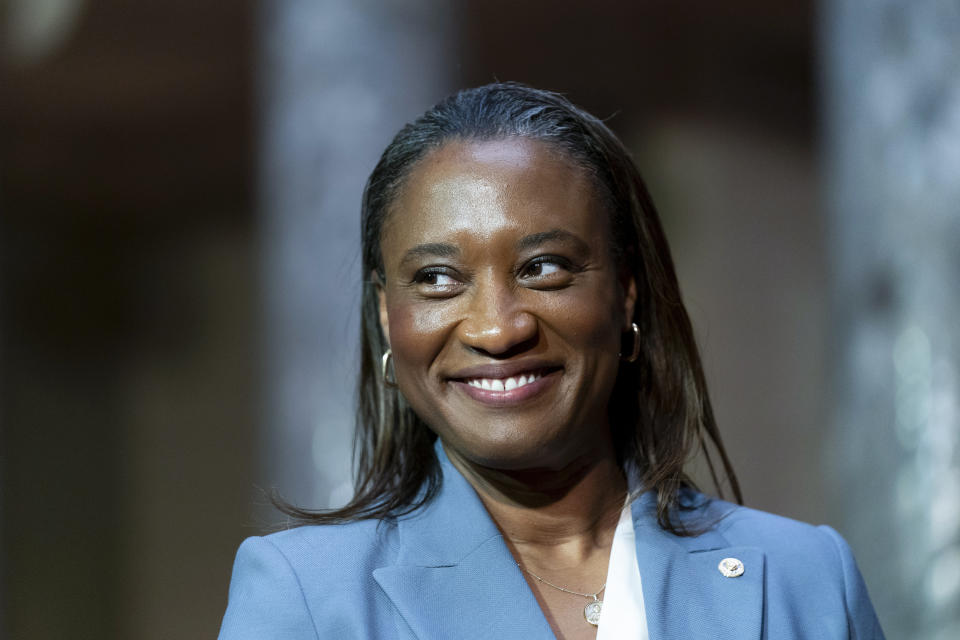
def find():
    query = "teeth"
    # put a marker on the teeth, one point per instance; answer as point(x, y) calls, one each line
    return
point(503, 384)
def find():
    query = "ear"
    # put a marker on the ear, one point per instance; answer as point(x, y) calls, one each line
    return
point(382, 304)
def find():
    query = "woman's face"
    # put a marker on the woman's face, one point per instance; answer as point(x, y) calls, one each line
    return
point(503, 304)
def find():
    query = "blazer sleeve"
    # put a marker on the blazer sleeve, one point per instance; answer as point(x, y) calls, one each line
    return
point(862, 619)
point(266, 601)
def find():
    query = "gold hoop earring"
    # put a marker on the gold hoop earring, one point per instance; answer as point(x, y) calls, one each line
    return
point(635, 352)
point(384, 361)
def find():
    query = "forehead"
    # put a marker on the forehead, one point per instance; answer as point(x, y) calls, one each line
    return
point(485, 188)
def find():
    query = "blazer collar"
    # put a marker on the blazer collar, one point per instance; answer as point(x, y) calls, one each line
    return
point(454, 576)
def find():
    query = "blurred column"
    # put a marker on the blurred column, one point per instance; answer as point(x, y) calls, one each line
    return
point(338, 78)
point(892, 115)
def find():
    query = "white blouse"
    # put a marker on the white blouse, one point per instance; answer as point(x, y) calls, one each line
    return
point(623, 614)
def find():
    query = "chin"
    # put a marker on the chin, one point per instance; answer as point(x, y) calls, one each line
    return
point(511, 449)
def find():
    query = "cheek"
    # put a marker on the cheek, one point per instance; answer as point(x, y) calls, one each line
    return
point(591, 321)
point(417, 332)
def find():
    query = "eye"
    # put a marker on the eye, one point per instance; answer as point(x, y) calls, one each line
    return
point(548, 268)
point(436, 280)
point(543, 269)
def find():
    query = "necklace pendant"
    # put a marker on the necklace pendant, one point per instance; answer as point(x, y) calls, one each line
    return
point(592, 612)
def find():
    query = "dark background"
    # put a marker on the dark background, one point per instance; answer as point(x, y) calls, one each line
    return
point(131, 296)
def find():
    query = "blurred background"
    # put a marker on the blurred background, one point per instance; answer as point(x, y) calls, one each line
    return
point(179, 266)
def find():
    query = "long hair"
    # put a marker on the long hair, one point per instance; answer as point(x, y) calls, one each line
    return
point(659, 410)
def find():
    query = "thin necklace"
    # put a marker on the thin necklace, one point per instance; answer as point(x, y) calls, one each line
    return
point(592, 611)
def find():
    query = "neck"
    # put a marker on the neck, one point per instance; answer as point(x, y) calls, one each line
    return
point(553, 517)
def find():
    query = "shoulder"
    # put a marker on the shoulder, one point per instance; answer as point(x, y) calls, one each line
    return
point(781, 537)
point(773, 533)
point(801, 562)
point(338, 553)
point(799, 551)
point(281, 579)
point(332, 546)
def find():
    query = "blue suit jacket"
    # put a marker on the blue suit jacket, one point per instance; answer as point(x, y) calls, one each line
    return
point(445, 573)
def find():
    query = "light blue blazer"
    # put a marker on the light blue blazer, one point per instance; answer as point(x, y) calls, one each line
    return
point(445, 573)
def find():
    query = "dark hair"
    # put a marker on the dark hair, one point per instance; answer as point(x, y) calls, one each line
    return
point(659, 411)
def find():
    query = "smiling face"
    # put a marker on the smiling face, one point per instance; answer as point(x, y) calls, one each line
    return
point(503, 304)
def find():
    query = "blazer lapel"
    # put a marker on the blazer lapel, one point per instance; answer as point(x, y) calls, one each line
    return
point(685, 594)
point(454, 576)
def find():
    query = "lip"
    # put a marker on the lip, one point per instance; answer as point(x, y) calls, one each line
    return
point(504, 369)
point(549, 376)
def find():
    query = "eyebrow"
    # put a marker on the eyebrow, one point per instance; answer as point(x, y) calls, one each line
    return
point(536, 239)
point(430, 249)
point(446, 250)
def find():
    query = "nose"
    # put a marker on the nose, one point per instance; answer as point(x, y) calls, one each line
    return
point(496, 322)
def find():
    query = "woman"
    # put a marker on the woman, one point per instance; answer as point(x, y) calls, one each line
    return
point(530, 392)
